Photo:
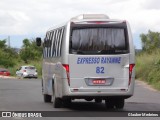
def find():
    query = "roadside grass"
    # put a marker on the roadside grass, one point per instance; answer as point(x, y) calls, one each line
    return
point(148, 68)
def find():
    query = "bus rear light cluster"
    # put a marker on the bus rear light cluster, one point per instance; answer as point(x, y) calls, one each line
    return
point(131, 66)
point(66, 66)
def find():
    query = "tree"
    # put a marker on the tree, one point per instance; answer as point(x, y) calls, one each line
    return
point(30, 51)
point(7, 55)
point(26, 43)
point(3, 44)
point(150, 41)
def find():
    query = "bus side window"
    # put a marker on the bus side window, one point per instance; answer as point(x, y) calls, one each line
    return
point(52, 41)
point(60, 42)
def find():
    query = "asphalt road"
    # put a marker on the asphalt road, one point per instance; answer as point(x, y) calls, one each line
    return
point(25, 95)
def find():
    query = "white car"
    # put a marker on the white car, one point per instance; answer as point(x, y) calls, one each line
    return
point(27, 72)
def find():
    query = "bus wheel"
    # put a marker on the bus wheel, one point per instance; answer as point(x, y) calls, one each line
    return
point(109, 103)
point(47, 98)
point(120, 103)
point(57, 102)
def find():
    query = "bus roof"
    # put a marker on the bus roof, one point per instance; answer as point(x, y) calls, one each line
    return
point(87, 18)
point(90, 16)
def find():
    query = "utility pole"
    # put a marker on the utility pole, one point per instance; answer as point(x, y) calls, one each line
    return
point(8, 41)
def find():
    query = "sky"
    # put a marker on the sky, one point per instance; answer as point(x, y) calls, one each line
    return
point(22, 19)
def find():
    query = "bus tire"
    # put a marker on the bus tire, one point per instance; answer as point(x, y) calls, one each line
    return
point(120, 104)
point(109, 103)
point(57, 102)
point(47, 98)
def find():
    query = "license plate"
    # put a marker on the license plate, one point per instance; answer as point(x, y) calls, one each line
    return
point(98, 81)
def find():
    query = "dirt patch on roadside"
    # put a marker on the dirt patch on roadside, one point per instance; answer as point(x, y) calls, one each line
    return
point(7, 77)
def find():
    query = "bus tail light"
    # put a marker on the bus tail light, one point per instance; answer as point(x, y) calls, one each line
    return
point(66, 66)
point(131, 66)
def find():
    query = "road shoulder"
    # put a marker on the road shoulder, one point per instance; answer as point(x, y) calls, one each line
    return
point(146, 85)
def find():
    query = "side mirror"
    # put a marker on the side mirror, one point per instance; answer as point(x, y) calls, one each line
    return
point(38, 41)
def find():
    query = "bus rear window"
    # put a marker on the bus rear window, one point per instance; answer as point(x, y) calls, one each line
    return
point(98, 41)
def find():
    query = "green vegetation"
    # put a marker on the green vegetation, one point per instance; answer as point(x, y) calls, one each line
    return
point(148, 61)
point(30, 51)
point(8, 55)
point(29, 54)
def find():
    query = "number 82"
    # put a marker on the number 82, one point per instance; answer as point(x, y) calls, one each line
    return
point(100, 70)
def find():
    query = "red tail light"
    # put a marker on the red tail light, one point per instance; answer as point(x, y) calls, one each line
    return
point(131, 66)
point(24, 70)
point(66, 66)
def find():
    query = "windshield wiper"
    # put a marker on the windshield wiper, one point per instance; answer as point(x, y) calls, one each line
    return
point(106, 51)
point(80, 52)
point(72, 51)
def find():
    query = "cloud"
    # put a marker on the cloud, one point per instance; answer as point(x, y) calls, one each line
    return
point(152, 4)
point(6, 19)
point(36, 16)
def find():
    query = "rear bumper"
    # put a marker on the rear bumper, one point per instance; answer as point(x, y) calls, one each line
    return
point(125, 94)
point(100, 97)
point(26, 75)
point(29, 76)
point(99, 93)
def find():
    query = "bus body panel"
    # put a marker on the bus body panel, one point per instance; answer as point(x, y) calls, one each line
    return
point(111, 67)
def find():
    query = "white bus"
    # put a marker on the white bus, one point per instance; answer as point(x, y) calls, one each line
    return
point(89, 57)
